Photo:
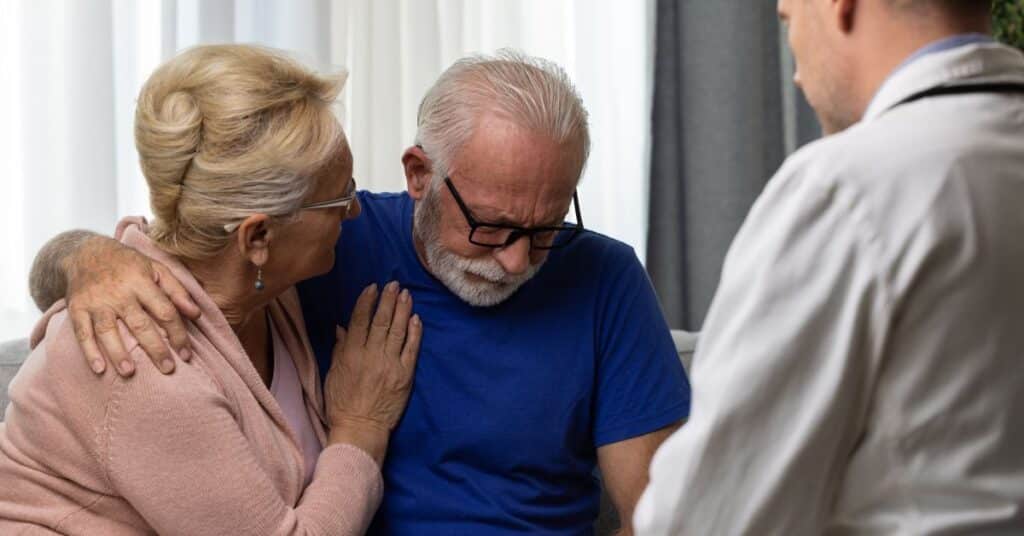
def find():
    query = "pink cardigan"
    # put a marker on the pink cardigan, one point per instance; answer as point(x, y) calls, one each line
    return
point(205, 450)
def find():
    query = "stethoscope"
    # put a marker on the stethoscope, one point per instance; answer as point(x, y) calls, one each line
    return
point(963, 89)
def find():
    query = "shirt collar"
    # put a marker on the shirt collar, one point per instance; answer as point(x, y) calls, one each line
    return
point(947, 43)
point(941, 45)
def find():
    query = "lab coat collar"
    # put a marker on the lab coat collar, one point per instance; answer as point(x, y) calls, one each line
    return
point(968, 64)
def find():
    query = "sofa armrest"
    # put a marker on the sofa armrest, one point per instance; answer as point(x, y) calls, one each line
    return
point(12, 355)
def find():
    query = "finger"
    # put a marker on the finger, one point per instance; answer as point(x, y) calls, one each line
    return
point(339, 344)
point(399, 324)
point(145, 331)
point(359, 324)
point(411, 351)
point(82, 323)
point(382, 319)
point(105, 325)
point(166, 315)
point(178, 294)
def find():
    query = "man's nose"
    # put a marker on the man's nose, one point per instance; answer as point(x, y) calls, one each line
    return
point(515, 257)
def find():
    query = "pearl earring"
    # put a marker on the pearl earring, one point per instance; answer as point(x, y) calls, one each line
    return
point(259, 278)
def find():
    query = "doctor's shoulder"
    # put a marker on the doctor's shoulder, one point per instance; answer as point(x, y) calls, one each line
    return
point(866, 159)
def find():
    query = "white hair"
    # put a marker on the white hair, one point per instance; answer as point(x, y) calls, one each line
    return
point(532, 92)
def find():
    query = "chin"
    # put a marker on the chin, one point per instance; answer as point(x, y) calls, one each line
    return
point(323, 265)
point(483, 294)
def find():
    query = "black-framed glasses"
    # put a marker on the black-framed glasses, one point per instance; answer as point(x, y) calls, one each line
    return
point(492, 235)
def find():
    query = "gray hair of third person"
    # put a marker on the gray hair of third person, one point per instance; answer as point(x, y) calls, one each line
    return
point(532, 92)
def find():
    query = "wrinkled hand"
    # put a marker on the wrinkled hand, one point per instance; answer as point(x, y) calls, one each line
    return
point(108, 281)
point(371, 375)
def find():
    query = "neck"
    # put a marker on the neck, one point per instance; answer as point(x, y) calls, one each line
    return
point(897, 35)
point(230, 284)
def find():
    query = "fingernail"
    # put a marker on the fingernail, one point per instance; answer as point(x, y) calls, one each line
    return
point(126, 367)
point(97, 366)
point(416, 320)
point(167, 366)
point(185, 354)
point(370, 289)
point(404, 297)
point(392, 286)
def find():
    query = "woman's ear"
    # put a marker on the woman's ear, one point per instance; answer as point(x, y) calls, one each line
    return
point(254, 236)
point(418, 171)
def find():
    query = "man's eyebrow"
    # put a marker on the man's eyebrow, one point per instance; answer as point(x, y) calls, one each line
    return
point(507, 222)
point(495, 220)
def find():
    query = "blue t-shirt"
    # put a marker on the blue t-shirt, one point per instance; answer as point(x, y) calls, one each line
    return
point(509, 402)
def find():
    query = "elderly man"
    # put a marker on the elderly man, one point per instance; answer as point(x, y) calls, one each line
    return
point(860, 370)
point(544, 350)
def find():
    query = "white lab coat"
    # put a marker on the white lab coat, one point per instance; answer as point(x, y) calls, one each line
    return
point(861, 370)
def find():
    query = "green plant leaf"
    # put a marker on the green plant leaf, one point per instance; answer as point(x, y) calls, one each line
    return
point(1008, 21)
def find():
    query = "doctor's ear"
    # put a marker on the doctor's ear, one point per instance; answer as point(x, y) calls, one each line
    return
point(418, 171)
point(254, 237)
point(843, 13)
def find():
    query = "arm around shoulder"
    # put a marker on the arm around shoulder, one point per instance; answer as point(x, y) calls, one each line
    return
point(48, 277)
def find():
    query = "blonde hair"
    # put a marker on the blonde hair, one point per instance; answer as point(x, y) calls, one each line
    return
point(532, 92)
point(226, 131)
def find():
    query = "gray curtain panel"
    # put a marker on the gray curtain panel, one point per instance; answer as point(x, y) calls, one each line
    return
point(725, 116)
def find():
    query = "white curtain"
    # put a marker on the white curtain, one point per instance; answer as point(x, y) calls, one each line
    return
point(70, 71)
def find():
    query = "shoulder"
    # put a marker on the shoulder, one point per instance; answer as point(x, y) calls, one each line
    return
point(381, 198)
point(56, 389)
point(594, 251)
point(887, 177)
point(149, 405)
point(909, 153)
point(386, 204)
point(58, 357)
point(383, 217)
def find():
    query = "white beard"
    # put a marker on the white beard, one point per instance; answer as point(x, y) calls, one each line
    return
point(453, 269)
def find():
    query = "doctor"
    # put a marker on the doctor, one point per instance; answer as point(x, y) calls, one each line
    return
point(862, 365)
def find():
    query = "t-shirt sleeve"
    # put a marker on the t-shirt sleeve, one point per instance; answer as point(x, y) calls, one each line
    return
point(641, 383)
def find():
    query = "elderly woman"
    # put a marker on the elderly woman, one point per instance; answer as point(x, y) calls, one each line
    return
point(250, 177)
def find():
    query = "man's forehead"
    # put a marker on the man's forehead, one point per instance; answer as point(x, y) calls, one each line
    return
point(522, 203)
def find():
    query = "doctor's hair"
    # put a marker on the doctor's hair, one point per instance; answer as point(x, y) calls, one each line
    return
point(534, 93)
point(227, 131)
point(955, 7)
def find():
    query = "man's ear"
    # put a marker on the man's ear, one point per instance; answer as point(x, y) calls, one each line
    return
point(418, 171)
point(254, 236)
point(843, 14)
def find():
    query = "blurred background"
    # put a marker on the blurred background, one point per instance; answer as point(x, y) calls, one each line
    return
point(691, 103)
